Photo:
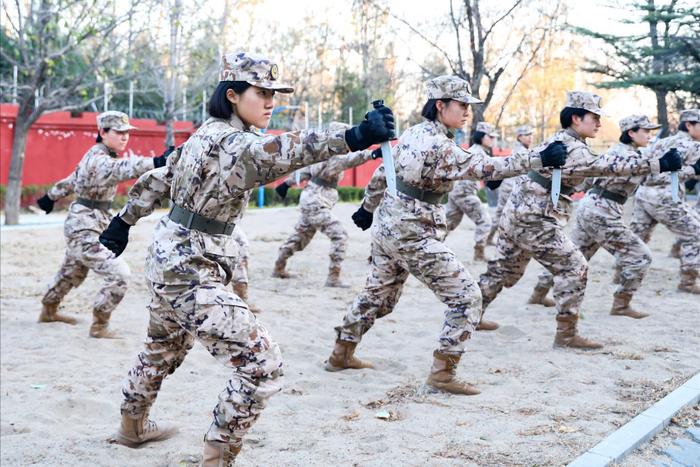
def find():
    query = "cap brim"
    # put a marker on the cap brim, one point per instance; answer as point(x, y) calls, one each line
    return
point(598, 111)
point(124, 128)
point(651, 127)
point(494, 135)
point(278, 87)
point(468, 100)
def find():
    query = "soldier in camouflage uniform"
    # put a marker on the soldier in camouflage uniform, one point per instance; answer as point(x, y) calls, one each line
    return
point(463, 198)
point(94, 181)
point(599, 219)
point(654, 204)
point(193, 255)
point(533, 227)
point(316, 205)
point(408, 234)
point(523, 140)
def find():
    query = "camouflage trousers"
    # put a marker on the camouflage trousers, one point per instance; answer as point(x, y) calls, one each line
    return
point(503, 194)
point(240, 273)
point(222, 323)
point(436, 266)
point(475, 210)
point(679, 218)
point(599, 223)
point(547, 243)
point(310, 221)
point(84, 253)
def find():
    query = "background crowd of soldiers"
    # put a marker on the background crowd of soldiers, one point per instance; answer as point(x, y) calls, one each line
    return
point(196, 269)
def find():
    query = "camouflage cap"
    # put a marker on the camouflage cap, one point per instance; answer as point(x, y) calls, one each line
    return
point(253, 69)
point(487, 129)
point(640, 121)
point(523, 130)
point(690, 115)
point(584, 100)
point(450, 87)
point(118, 121)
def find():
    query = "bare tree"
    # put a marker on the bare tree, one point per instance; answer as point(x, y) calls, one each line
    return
point(59, 48)
point(484, 48)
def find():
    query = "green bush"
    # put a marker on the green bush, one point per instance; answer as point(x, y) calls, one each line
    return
point(345, 194)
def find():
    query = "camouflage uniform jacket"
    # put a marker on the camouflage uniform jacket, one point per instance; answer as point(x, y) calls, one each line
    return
point(464, 188)
point(689, 150)
point(531, 200)
point(623, 185)
point(210, 176)
point(96, 178)
point(322, 197)
point(426, 157)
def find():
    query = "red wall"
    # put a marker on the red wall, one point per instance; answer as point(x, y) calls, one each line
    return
point(57, 142)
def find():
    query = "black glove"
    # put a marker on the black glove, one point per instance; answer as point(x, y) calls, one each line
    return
point(45, 203)
point(696, 167)
point(554, 155)
point(493, 184)
point(377, 127)
point(282, 189)
point(690, 184)
point(160, 160)
point(671, 161)
point(377, 153)
point(116, 236)
point(363, 218)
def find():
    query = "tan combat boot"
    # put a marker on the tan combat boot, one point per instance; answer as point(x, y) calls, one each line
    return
point(241, 289)
point(675, 250)
point(280, 269)
point(688, 282)
point(219, 454)
point(50, 314)
point(100, 326)
point(442, 376)
point(486, 325)
point(621, 307)
point(567, 336)
point(479, 253)
point(539, 297)
point(134, 432)
point(343, 358)
point(333, 279)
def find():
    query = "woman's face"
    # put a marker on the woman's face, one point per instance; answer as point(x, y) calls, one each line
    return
point(586, 127)
point(253, 106)
point(525, 140)
point(694, 130)
point(453, 114)
point(640, 138)
point(487, 141)
point(115, 140)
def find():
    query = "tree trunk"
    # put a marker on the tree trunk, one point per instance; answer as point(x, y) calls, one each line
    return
point(14, 181)
point(662, 112)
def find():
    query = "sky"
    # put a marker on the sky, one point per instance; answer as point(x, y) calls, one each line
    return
point(600, 15)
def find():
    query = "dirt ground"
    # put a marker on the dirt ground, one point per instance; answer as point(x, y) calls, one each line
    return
point(539, 406)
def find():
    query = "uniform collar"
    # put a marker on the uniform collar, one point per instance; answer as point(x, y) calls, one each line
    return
point(111, 153)
point(236, 122)
point(684, 135)
point(441, 128)
point(571, 132)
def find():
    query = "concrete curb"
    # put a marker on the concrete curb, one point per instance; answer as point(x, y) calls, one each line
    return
point(641, 428)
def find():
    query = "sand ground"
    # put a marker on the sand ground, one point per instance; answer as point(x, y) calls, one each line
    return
point(539, 406)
